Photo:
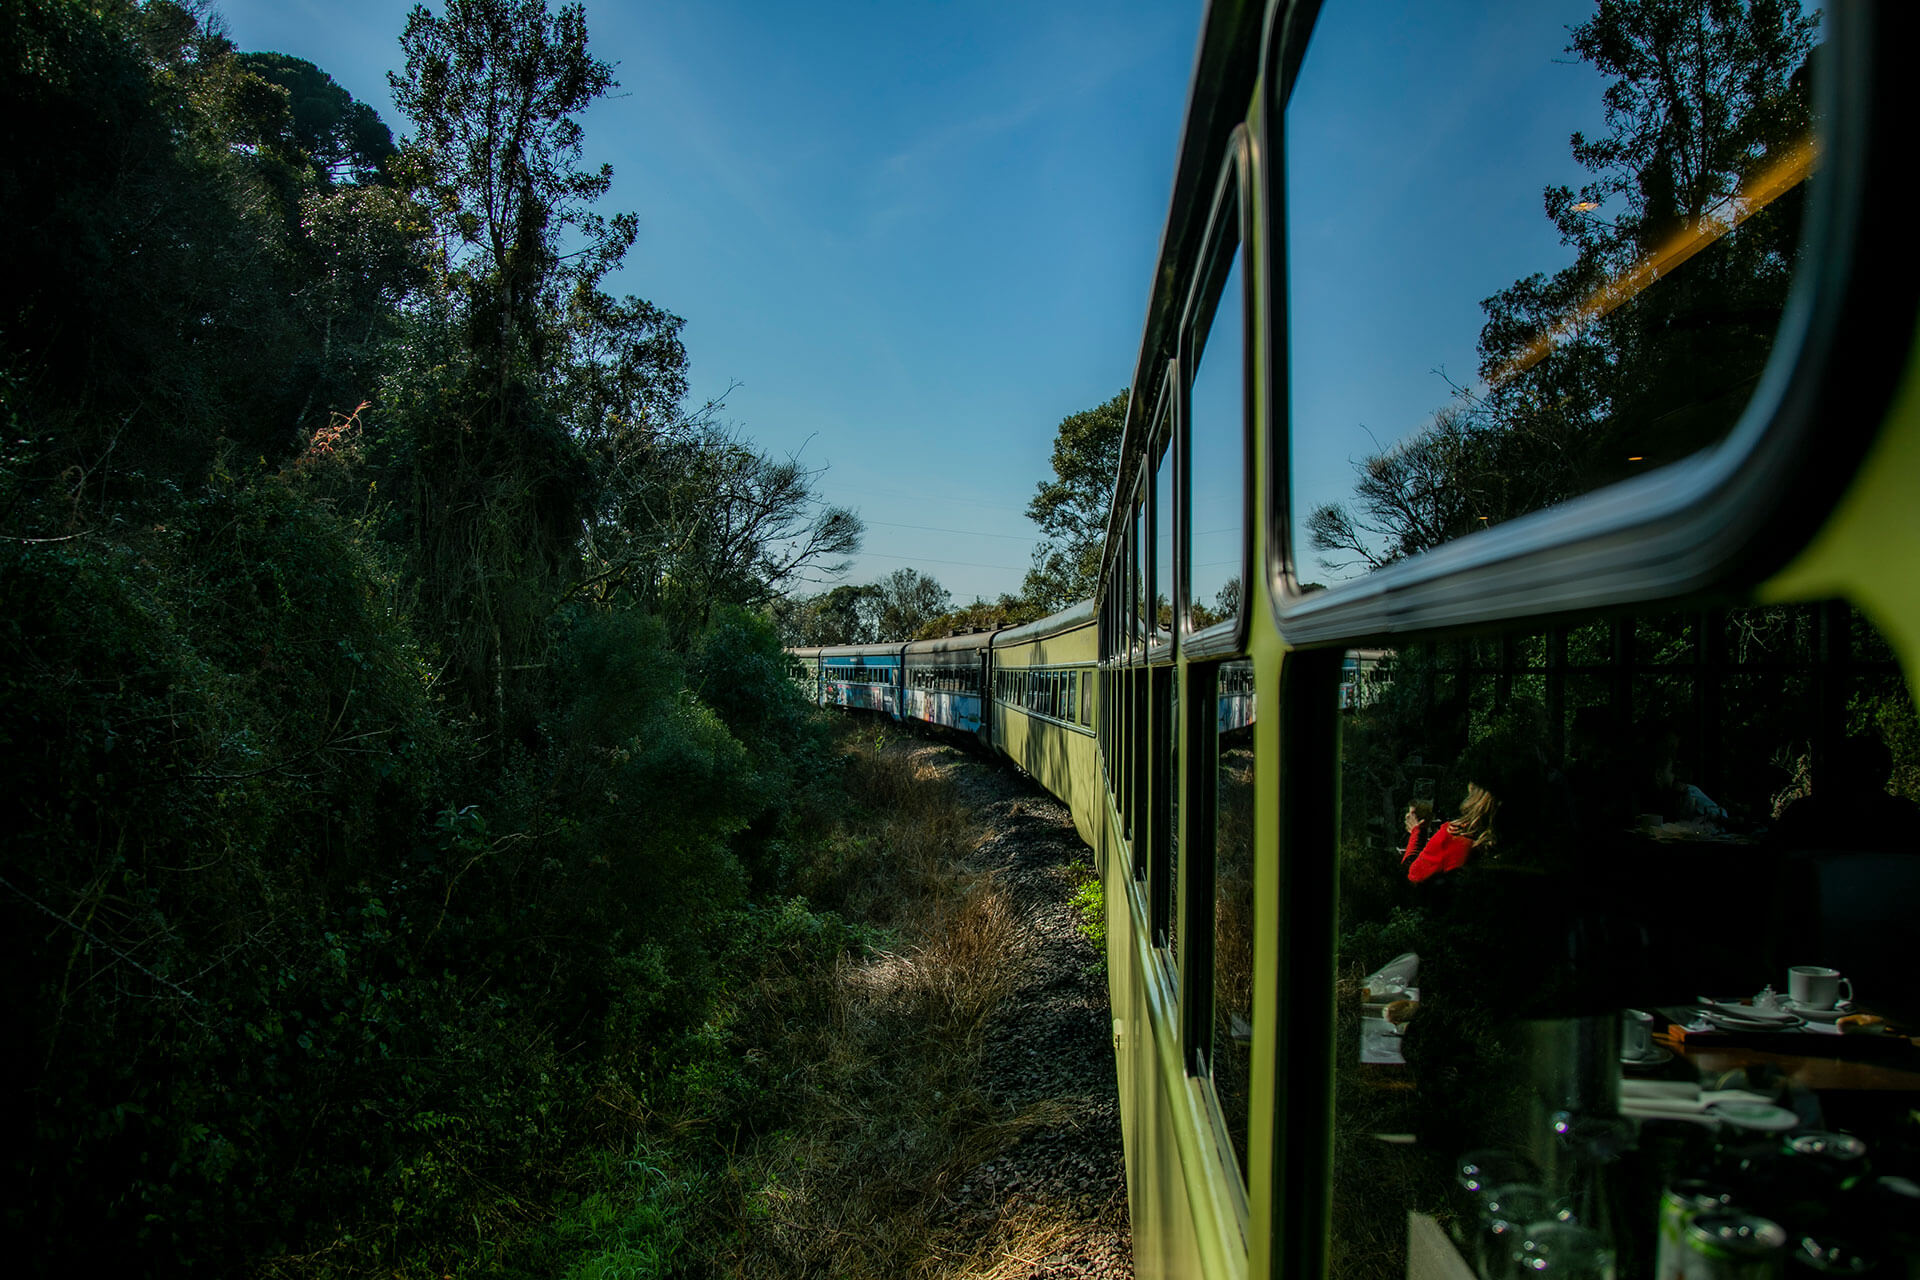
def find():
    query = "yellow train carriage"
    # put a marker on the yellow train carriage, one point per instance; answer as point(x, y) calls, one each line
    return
point(1044, 701)
point(1574, 736)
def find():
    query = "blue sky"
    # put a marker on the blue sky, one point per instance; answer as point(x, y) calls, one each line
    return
point(915, 235)
point(908, 238)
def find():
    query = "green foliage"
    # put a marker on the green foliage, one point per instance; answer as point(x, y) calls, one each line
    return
point(1090, 901)
point(376, 855)
point(984, 615)
point(901, 606)
point(1071, 508)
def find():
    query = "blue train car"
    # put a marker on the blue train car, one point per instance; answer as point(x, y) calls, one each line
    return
point(863, 677)
point(946, 682)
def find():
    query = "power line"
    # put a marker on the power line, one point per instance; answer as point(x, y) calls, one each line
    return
point(972, 533)
point(972, 564)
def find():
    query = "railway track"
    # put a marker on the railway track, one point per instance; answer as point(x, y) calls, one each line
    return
point(1054, 1203)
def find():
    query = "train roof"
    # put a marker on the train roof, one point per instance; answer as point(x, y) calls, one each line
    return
point(1222, 84)
point(1071, 618)
point(951, 644)
point(861, 650)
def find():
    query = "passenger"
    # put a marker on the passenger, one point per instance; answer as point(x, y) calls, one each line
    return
point(1850, 807)
point(1422, 823)
point(1447, 849)
point(1664, 796)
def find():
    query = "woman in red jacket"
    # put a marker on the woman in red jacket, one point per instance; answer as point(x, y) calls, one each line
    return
point(1450, 845)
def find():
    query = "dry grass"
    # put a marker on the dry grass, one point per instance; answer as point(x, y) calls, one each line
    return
point(862, 1183)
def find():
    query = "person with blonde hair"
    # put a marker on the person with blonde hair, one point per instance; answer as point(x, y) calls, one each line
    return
point(1448, 848)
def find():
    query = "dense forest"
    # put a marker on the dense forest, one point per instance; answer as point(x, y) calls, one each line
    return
point(407, 791)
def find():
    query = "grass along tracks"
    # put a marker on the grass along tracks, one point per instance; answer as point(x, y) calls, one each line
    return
point(954, 1109)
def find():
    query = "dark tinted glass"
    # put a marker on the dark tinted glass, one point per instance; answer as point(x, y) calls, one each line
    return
point(1584, 874)
point(1163, 543)
point(1233, 762)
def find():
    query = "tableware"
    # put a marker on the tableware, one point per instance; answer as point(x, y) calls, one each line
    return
point(1816, 986)
point(1558, 1249)
point(1834, 1014)
point(1748, 1017)
point(1636, 1034)
point(1733, 1022)
point(1759, 1116)
point(1479, 1172)
point(1655, 1056)
point(1505, 1212)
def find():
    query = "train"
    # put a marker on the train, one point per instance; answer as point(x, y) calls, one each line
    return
point(1627, 627)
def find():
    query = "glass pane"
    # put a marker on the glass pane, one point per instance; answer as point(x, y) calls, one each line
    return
point(1217, 488)
point(1141, 610)
point(1231, 1058)
point(1163, 526)
point(1577, 898)
point(1486, 319)
point(1170, 799)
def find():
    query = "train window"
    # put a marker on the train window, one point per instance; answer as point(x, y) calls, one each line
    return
point(1164, 523)
point(1589, 870)
point(1230, 789)
point(1142, 561)
point(1164, 849)
point(1216, 432)
point(1460, 356)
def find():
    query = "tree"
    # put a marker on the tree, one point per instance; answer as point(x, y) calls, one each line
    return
point(843, 615)
point(1590, 374)
point(499, 487)
point(494, 90)
point(983, 615)
point(345, 140)
point(1071, 508)
point(907, 601)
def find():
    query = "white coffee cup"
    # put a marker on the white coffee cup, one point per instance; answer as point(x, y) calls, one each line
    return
point(1813, 986)
point(1636, 1033)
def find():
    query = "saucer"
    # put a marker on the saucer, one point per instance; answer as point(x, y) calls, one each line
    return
point(1656, 1056)
point(1734, 1022)
point(1748, 1015)
point(1755, 1115)
point(1819, 1015)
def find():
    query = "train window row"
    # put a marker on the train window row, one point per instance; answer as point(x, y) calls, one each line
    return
point(861, 675)
point(1180, 749)
point(1058, 693)
point(951, 677)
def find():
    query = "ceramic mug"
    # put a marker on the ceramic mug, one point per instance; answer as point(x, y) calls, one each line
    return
point(1813, 986)
point(1636, 1034)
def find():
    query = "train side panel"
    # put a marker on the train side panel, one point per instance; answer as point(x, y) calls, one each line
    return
point(1043, 713)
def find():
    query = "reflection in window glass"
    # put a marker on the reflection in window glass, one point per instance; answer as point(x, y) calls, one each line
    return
point(1141, 611)
point(1552, 846)
point(1231, 1059)
point(1163, 526)
point(1458, 356)
point(1217, 488)
point(1169, 799)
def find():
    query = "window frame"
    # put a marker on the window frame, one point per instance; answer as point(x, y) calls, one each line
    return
point(1719, 522)
point(1231, 214)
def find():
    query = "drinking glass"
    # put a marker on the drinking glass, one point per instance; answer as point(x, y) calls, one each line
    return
point(1505, 1212)
point(1556, 1250)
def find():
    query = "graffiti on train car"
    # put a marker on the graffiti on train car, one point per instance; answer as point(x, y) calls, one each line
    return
point(955, 710)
